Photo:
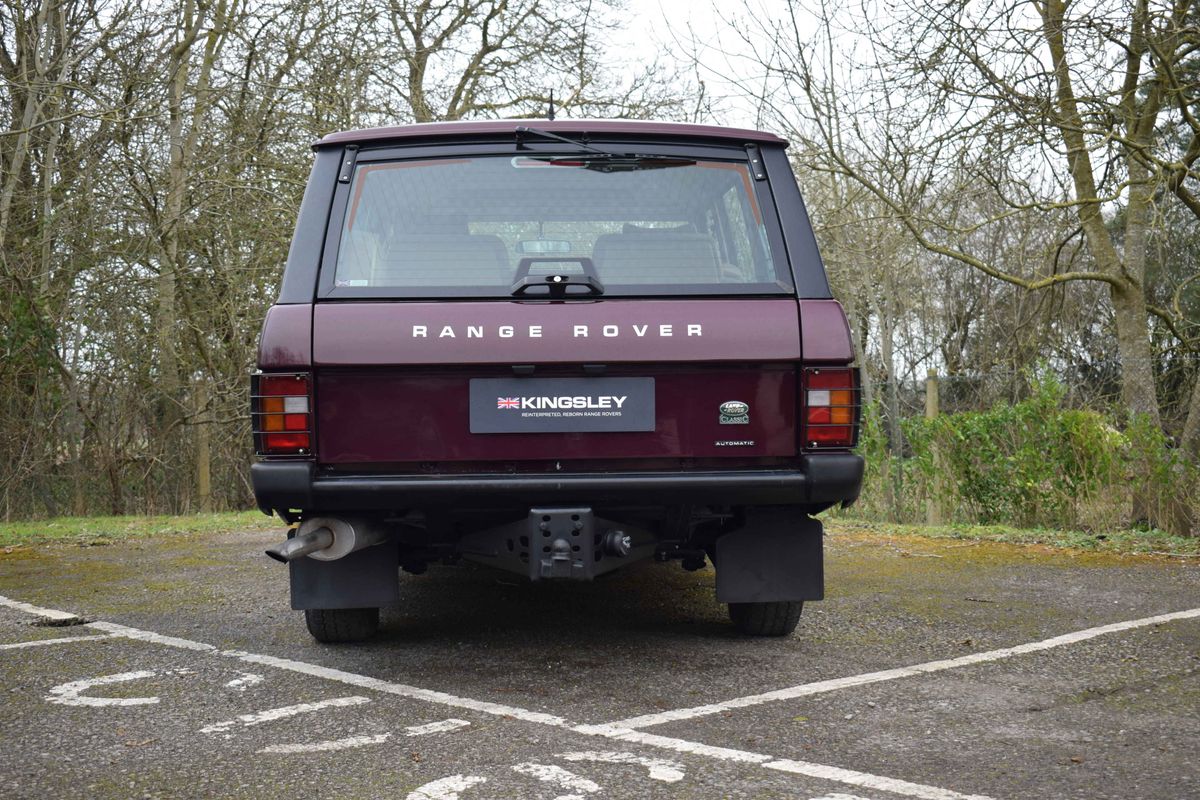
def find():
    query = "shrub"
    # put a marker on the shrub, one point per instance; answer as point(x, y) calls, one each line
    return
point(1031, 464)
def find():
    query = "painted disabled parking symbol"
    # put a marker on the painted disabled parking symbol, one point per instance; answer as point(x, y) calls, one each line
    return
point(526, 776)
point(78, 693)
point(454, 787)
point(74, 693)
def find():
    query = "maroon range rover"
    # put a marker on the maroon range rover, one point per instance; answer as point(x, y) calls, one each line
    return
point(556, 348)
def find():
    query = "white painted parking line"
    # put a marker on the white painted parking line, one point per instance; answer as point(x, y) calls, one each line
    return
point(608, 731)
point(448, 788)
point(48, 613)
point(444, 726)
point(64, 640)
point(863, 780)
point(820, 687)
point(678, 745)
point(283, 712)
point(400, 689)
point(150, 636)
point(868, 781)
point(325, 747)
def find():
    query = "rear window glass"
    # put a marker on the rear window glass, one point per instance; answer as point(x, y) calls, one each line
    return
point(477, 226)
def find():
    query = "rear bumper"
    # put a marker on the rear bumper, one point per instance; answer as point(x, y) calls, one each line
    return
point(822, 479)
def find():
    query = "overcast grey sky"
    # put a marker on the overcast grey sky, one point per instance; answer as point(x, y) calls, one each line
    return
point(719, 32)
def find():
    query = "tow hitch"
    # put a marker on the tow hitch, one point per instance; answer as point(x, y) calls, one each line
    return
point(563, 544)
point(558, 544)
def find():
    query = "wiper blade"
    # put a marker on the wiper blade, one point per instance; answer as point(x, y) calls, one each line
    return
point(605, 162)
point(631, 163)
point(602, 160)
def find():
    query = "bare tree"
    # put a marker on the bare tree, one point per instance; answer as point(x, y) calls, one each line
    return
point(469, 58)
point(965, 121)
point(151, 164)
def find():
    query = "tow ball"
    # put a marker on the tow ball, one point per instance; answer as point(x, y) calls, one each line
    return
point(563, 544)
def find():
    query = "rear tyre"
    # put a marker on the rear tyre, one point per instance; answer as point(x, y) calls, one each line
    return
point(766, 619)
point(332, 625)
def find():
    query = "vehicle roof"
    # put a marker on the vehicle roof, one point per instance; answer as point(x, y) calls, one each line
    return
point(493, 127)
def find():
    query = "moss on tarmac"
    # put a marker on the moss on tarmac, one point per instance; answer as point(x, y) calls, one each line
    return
point(101, 530)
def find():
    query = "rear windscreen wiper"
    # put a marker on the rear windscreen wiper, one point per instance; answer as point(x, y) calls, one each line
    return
point(602, 160)
point(522, 130)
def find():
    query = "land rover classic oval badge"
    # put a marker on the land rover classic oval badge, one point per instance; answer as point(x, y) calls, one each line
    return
point(735, 412)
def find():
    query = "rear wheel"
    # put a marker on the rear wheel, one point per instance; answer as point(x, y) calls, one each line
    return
point(341, 624)
point(766, 619)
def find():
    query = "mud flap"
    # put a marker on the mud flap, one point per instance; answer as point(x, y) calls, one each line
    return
point(777, 556)
point(368, 578)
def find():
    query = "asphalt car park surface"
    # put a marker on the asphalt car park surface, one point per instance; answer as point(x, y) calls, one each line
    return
point(936, 670)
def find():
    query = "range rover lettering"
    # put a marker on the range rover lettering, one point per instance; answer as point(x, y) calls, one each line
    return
point(555, 348)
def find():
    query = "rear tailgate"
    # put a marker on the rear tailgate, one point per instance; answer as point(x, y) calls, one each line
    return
point(413, 382)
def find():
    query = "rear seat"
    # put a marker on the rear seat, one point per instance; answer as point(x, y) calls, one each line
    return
point(443, 259)
point(646, 255)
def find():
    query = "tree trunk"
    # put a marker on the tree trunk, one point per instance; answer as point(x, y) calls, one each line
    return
point(1129, 299)
point(166, 316)
point(46, 269)
point(1189, 443)
point(1126, 270)
point(1135, 353)
point(1189, 440)
point(1126, 288)
point(895, 435)
point(858, 335)
point(116, 494)
point(182, 142)
point(15, 165)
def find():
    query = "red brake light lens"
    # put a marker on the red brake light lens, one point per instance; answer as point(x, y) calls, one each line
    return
point(829, 405)
point(281, 410)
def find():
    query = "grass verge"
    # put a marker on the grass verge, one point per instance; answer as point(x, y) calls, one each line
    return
point(106, 530)
point(1151, 542)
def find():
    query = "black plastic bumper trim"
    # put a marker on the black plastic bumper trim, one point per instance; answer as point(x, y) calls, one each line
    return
point(822, 478)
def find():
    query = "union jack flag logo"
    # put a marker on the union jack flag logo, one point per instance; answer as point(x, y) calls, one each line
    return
point(507, 402)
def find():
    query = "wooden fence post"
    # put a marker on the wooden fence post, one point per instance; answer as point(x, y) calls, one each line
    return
point(933, 507)
point(203, 449)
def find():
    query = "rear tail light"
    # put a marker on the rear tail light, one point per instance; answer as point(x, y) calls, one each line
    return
point(281, 411)
point(829, 407)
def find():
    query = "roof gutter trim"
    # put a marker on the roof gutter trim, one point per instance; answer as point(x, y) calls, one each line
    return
point(507, 127)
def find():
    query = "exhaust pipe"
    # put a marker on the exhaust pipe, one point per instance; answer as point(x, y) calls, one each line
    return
point(301, 545)
point(327, 539)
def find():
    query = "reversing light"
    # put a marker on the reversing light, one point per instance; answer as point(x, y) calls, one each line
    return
point(281, 414)
point(830, 411)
